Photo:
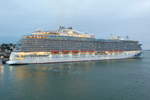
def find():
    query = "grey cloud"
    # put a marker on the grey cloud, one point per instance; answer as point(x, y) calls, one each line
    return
point(101, 17)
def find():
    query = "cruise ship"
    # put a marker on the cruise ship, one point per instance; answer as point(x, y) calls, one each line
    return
point(69, 45)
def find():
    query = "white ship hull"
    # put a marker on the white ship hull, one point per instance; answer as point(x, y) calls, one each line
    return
point(71, 58)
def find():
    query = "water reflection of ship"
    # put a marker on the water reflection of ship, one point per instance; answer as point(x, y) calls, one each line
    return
point(1, 68)
point(45, 76)
point(41, 70)
point(66, 67)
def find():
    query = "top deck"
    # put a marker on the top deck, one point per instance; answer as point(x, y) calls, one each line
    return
point(63, 32)
point(71, 34)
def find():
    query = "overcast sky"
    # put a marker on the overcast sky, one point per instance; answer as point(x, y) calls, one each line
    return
point(100, 17)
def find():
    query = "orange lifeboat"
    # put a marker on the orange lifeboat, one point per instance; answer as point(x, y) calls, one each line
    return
point(75, 51)
point(55, 52)
point(65, 52)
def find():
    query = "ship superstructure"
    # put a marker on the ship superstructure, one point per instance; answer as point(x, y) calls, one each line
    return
point(67, 44)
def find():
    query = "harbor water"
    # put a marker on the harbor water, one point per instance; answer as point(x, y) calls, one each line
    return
point(127, 79)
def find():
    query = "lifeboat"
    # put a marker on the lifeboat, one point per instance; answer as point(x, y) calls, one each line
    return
point(75, 51)
point(65, 52)
point(55, 52)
